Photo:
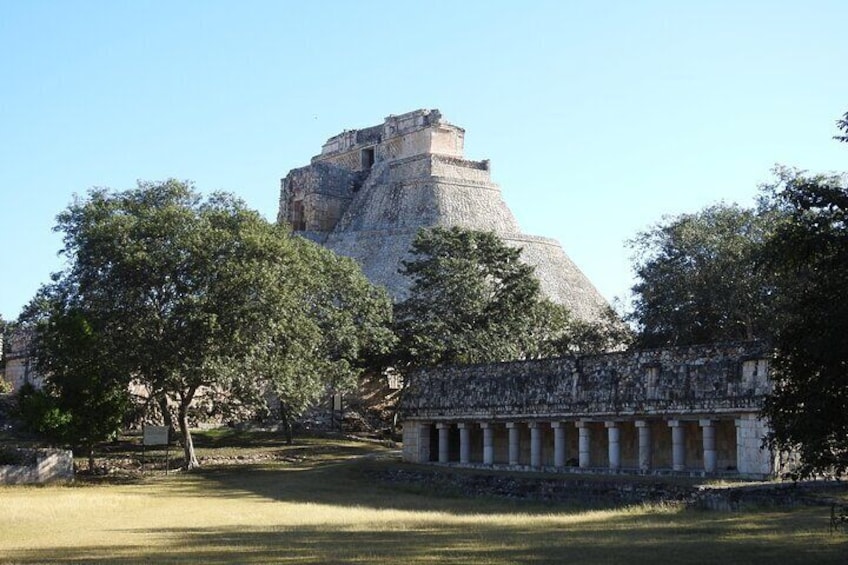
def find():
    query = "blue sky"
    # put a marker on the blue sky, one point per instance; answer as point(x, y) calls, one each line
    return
point(599, 117)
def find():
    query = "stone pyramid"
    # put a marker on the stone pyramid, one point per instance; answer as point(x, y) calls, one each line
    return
point(370, 190)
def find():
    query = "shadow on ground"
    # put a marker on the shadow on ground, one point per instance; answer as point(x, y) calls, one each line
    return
point(467, 529)
point(616, 540)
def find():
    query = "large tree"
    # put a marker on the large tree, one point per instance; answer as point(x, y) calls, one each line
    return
point(808, 254)
point(338, 328)
point(698, 279)
point(205, 298)
point(473, 300)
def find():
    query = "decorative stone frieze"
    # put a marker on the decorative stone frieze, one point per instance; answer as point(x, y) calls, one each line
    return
point(697, 380)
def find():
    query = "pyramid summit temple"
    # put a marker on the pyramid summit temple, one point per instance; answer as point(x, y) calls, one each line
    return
point(370, 190)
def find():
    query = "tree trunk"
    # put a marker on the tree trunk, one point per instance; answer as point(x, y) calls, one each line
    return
point(191, 461)
point(167, 420)
point(287, 425)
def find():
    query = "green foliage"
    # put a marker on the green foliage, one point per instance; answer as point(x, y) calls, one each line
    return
point(5, 336)
point(40, 413)
point(472, 300)
point(83, 380)
point(203, 298)
point(572, 336)
point(808, 255)
point(698, 279)
point(777, 272)
point(842, 124)
point(333, 325)
point(4, 346)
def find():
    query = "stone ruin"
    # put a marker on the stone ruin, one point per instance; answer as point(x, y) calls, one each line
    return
point(36, 466)
point(370, 190)
point(687, 410)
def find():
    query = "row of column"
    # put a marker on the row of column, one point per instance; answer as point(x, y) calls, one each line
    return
point(678, 446)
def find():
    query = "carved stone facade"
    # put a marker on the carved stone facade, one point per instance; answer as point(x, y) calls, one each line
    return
point(370, 190)
point(676, 410)
point(19, 369)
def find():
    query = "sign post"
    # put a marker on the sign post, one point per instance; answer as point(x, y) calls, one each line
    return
point(338, 408)
point(157, 435)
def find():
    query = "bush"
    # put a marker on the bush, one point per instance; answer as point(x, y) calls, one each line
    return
point(39, 413)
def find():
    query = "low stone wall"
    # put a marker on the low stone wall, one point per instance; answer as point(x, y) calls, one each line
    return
point(47, 465)
point(595, 492)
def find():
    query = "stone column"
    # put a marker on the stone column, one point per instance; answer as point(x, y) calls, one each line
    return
point(741, 462)
point(584, 455)
point(710, 454)
point(613, 445)
point(443, 441)
point(678, 445)
point(560, 454)
point(644, 428)
point(535, 444)
point(424, 442)
point(513, 442)
point(464, 442)
point(488, 443)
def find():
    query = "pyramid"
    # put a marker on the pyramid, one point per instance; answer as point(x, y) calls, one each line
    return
point(370, 190)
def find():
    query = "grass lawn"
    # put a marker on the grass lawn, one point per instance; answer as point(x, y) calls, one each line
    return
point(317, 502)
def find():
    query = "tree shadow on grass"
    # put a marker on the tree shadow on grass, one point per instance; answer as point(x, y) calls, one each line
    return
point(444, 527)
point(616, 540)
point(351, 482)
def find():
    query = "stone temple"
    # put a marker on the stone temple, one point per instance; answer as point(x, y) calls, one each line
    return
point(370, 190)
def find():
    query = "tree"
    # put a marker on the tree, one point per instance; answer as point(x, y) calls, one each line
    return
point(842, 125)
point(778, 272)
point(85, 399)
point(200, 299)
point(3, 345)
point(472, 300)
point(808, 253)
point(342, 328)
point(698, 279)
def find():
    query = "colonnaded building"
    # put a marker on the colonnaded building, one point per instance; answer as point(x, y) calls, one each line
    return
point(691, 410)
point(677, 410)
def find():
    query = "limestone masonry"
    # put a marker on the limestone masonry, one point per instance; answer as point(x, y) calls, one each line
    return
point(370, 190)
point(687, 410)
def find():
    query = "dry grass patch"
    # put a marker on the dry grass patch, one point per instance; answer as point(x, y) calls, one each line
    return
point(325, 507)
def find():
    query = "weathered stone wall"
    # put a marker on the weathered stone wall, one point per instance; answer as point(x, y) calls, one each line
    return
point(19, 369)
point(595, 492)
point(48, 465)
point(696, 380)
point(314, 198)
point(750, 457)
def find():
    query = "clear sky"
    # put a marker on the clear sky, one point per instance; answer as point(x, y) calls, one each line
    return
point(599, 117)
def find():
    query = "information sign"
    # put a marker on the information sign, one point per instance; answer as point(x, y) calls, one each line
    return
point(155, 435)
